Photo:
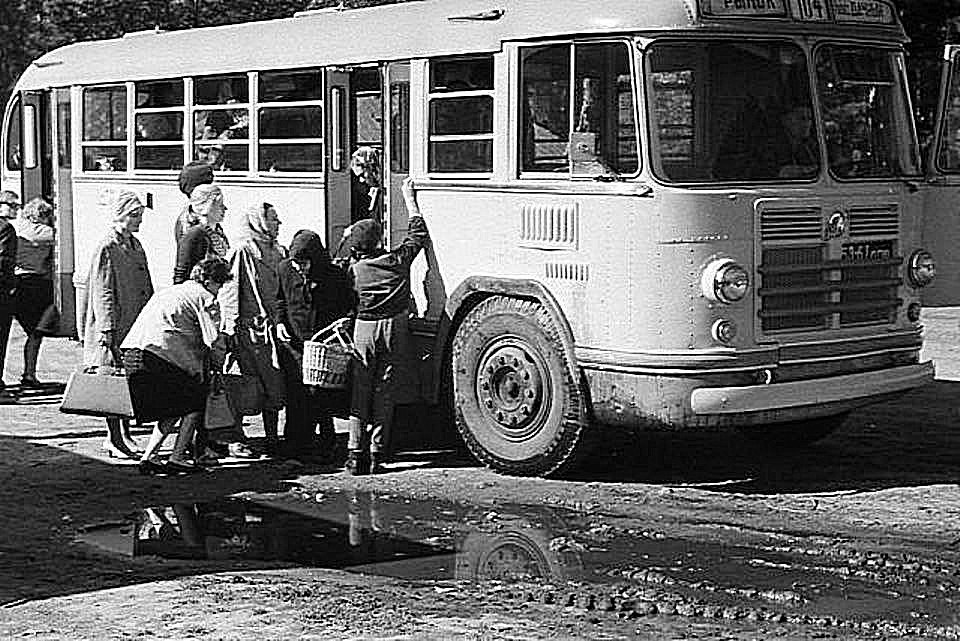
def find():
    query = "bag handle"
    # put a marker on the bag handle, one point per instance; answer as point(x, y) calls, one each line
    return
point(245, 262)
point(336, 332)
point(251, 276)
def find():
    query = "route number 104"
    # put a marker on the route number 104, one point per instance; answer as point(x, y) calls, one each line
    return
point(810, 10)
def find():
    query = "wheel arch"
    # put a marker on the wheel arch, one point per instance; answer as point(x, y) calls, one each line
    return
point(475, 289)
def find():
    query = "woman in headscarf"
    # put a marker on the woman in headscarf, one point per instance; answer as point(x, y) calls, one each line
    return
point(206, 238)
point(313, 294)
point(367, 183)
point(118, 286)
point(248, 304)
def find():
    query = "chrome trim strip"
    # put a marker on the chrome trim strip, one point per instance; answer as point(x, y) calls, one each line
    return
point(832, 389)
point(846, 357)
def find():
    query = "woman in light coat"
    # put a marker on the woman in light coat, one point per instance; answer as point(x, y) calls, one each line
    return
point(248, 304)
point(118, 286)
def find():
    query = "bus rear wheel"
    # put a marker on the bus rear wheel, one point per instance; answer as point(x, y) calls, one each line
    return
point(795, 433)
point(517, 405)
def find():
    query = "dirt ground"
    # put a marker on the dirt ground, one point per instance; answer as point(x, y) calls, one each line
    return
point(664, 537)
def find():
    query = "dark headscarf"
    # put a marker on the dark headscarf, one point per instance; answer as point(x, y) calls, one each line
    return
point(193, 174)
point(307, 245)
point(365, 237)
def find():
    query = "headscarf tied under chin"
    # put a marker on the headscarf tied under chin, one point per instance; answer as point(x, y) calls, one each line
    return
point(254, 224)
point(307, 245)
point(254, 227)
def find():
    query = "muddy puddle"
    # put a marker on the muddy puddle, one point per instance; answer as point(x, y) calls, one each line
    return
point(553, 556)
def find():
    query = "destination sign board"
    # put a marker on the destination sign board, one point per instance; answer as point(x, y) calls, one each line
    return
point(877, 12)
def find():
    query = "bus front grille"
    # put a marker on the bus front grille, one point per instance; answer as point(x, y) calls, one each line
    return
point(802, 289)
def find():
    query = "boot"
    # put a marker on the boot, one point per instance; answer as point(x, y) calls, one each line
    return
point(357, 464)
point(376, 463)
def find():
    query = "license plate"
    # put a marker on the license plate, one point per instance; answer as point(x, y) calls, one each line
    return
point(869, 251)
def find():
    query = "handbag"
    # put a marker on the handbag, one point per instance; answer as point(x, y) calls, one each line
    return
point(95, 393)
point(245, 393)
point(217, 414)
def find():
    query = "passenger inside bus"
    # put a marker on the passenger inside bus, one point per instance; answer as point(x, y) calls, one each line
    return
point(771, 143)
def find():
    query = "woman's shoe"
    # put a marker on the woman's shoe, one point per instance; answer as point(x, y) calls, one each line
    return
point(31, 382)
point(178, 467)
point(117, 451)
point(240, 450)
point(149, 468)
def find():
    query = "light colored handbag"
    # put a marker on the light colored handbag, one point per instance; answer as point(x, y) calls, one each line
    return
point(95, 393)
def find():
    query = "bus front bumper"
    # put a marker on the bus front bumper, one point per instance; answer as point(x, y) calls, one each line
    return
point(820, 391)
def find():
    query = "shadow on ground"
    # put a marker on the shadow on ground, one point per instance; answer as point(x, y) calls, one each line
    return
point(48, 493)
point(910, 441)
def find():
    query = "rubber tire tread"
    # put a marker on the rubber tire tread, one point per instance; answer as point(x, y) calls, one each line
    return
point(562, 452)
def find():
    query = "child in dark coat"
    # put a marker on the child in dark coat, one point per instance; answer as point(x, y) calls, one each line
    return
point(381, 280)
point(313, 294)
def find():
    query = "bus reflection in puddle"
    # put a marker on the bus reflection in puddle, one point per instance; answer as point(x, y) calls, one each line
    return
point(356, 531)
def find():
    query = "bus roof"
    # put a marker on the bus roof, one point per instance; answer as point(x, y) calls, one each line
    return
point(333, 37)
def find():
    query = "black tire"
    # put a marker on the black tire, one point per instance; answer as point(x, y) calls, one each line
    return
point(795, 433)
point(517, 405)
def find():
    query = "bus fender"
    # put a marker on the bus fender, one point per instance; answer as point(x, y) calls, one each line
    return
point(476, 288)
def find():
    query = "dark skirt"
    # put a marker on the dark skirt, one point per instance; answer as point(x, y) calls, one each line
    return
point(159, 389)
point(34, 304)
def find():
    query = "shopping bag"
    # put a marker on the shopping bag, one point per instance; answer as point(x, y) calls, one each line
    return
point(244, 391)
point(97, 394)
point(217, 414)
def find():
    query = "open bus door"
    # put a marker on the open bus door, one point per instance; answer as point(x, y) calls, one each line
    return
point(337, 159)
point(46, 172)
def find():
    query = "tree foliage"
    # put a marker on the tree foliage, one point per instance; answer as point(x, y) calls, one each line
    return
point(28, 28)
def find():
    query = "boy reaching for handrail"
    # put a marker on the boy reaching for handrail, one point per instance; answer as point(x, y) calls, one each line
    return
point(381, 280)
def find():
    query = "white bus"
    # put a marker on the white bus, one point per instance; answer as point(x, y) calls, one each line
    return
point(669, 214)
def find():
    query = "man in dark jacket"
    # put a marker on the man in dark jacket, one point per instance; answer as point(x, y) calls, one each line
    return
point(9, 206)
point(381, 280)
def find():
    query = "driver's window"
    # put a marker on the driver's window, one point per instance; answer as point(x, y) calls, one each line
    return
point(594, 134)
point(948, 156)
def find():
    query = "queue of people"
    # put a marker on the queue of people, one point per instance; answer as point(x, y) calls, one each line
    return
point(235, 321)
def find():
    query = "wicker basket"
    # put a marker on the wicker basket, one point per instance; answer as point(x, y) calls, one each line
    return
point(327, 357)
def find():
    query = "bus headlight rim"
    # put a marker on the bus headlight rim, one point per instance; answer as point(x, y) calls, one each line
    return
point(724, 280)
point(921, 268)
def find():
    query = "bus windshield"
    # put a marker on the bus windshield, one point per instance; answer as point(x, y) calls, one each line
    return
point(866, 116)
point(742, 111)
point(729, 110)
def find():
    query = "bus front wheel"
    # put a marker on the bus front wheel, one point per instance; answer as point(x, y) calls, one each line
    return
point(517, 405)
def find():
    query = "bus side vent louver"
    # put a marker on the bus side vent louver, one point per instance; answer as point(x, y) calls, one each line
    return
point(883, 220)
point(802, 223)
point(550, 226)
point(567, 271)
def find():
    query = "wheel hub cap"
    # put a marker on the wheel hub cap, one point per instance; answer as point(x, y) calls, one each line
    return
point(510, 387)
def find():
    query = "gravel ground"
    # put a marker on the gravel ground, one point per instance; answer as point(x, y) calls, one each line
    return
point(667, 536)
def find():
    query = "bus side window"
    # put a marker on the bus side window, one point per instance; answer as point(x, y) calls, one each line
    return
point(222, 114)
point(461, 115)
point(291, 135)
point(545, 85)
point(605, 134)
point(159, 124)
point(105, 128)
point(13, 157)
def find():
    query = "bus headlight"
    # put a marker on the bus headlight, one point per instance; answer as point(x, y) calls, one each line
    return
point(921, 270)
point(724, 331)
point(725, 281)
